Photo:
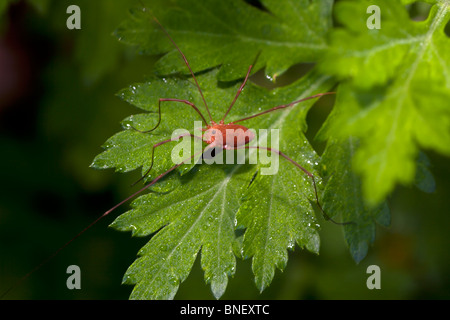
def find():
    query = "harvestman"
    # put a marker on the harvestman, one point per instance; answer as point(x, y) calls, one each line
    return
point(213, 130)
point(241, 141)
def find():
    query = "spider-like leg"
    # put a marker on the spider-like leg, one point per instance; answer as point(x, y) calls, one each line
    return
point(309, 174)
point(160, 144)
point(159, 113)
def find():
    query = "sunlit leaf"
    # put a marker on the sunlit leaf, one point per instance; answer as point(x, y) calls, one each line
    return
point(230, 34)
point(397, 92)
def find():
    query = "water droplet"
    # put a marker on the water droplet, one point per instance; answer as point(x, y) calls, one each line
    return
point(269, 78)
point(291, 244)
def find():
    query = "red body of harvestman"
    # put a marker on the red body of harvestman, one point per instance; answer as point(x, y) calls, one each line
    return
point(242, 138)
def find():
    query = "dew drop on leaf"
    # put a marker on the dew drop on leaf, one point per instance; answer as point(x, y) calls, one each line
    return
point(269, 78)
point(291, 244)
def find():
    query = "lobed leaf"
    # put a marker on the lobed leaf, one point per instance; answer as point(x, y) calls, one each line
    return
point(392, 101)
point(343, 197)
point(199, 214)
point(396, 96)
point(230, 34)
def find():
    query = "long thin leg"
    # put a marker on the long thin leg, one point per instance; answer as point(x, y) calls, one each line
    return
point(185, 61)
point(283, 106)
point(93, 223)
point(237, 94)
point(159, 113)
point(160, 144)
point(325, 215)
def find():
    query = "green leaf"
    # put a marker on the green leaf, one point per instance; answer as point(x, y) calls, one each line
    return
point(199, 213)
point(232, 34)
point(395, 99)
point(276, 209)
point(412, 1)
point(130, 149)
point(424, 178)
point(391, 103)
point(342, 197)
point(277, 215)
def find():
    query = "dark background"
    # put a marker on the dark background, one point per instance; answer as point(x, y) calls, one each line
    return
point(57, 107)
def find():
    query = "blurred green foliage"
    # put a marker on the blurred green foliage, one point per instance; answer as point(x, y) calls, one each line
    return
point(63, 107)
